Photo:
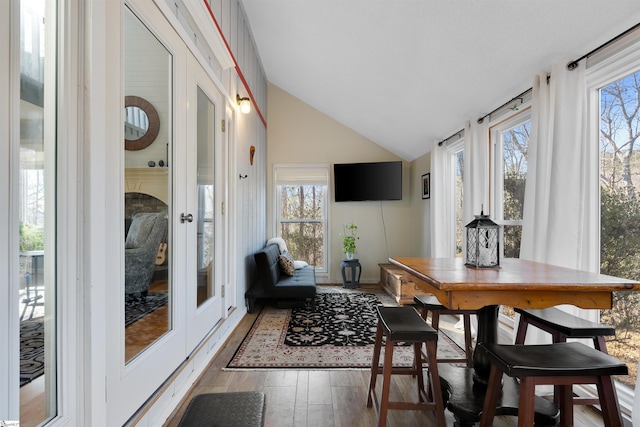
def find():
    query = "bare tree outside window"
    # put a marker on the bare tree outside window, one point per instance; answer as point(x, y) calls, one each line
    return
point(302, 222)
point(458, 159)
point(515, 149)
point(512, 150)
point(620, 212)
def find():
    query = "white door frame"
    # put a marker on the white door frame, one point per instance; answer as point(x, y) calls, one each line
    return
point(65, 399)
point(9, 131)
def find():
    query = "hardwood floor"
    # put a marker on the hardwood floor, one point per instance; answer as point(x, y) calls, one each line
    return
point(32, 403)
point(143, 332)
point(325, 397)
point(294, 398)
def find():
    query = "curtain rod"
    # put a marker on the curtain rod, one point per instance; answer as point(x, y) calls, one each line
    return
point(574, 64)
point(460, 132)
point(481, 119)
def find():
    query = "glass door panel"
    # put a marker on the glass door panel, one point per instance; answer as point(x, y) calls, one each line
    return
point(204, 255)
point(205, 246)
point(37, 192)
point(147, 144)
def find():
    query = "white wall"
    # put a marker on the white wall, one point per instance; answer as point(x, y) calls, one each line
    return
point(251, 210)
point(420, 208)
point(147, 70)
point(299, 134)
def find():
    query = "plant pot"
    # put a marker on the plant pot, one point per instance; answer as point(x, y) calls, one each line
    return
point(349, 255)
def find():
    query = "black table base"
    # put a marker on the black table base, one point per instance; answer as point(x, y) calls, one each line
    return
point(466, 397)
point(466, 387)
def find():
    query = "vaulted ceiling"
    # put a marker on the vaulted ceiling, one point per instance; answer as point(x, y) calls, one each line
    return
point(407, 73)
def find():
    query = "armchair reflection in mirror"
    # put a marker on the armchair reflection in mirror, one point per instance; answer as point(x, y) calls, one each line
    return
point(145, 235)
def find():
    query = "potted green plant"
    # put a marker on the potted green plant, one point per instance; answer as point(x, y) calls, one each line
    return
point(349, 240)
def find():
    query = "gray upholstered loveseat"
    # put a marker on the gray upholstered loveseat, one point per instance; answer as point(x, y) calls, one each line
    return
point(273, 284)
point(146, 233)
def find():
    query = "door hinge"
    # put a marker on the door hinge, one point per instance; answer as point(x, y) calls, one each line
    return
point(222, 125)
point(222, 292)
point(222, 208)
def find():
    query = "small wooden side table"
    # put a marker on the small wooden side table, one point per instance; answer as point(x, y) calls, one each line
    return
point(356, 271)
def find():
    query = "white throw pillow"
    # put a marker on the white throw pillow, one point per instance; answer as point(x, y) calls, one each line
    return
point(299, 264)
point(280, 242)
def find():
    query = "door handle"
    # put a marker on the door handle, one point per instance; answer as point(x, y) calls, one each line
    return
point(187, 218)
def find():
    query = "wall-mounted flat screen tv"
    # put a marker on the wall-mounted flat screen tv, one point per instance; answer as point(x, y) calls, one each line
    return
point(367, 181)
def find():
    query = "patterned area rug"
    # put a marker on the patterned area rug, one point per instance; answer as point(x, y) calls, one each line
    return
point(338, 333)
point(136, 308)
point(336, 319)
point(31, 349)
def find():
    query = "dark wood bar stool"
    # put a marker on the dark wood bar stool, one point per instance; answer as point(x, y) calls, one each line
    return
point(561, 364)
point(429, 303)
point(562, 325)
point(404, 324)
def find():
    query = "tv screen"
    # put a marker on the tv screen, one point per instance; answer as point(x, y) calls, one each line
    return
point(367, 181)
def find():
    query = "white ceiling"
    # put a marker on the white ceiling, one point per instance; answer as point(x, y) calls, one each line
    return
point(407, 73)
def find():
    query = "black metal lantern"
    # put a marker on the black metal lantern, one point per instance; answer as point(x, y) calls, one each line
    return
point(483, 250)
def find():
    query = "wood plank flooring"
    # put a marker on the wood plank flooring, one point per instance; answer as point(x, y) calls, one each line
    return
point(325, 397)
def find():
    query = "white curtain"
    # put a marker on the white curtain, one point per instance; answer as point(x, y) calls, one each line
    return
point(475, 191)
point(476, 170)
point(476, 182)
point(560, 216)
point(442, 219)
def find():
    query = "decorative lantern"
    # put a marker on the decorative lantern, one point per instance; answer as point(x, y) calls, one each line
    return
point(483, 249)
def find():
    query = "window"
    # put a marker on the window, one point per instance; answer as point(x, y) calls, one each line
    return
point(301, 212)
point(458, 164)
point(619, 169)
point(457, 159)
point(510, 145)
point(510, 141)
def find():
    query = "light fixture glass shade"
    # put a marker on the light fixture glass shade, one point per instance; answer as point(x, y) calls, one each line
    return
point(245, 105)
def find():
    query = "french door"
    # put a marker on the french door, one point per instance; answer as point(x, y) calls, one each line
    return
point(205, 183)
point(186, 177)
point(152, 65)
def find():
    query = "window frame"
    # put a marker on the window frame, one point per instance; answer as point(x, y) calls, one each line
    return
point(603, 72)
point(66, 223)
point(450, 170)
point(496, 167)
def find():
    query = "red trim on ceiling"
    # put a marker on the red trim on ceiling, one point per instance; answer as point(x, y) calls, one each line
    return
point(237, 67)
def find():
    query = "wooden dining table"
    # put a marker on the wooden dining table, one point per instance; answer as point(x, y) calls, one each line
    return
point(516, 283)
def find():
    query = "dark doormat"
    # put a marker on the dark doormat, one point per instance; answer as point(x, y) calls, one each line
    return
point(239, 409)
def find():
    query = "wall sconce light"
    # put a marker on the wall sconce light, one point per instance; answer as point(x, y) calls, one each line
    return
point(244, 103)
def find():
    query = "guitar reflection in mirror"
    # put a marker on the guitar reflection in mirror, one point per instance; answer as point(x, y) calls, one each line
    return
point(162, 250)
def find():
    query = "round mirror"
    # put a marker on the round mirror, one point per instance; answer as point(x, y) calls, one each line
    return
point(136, 123)
point(141, 123)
